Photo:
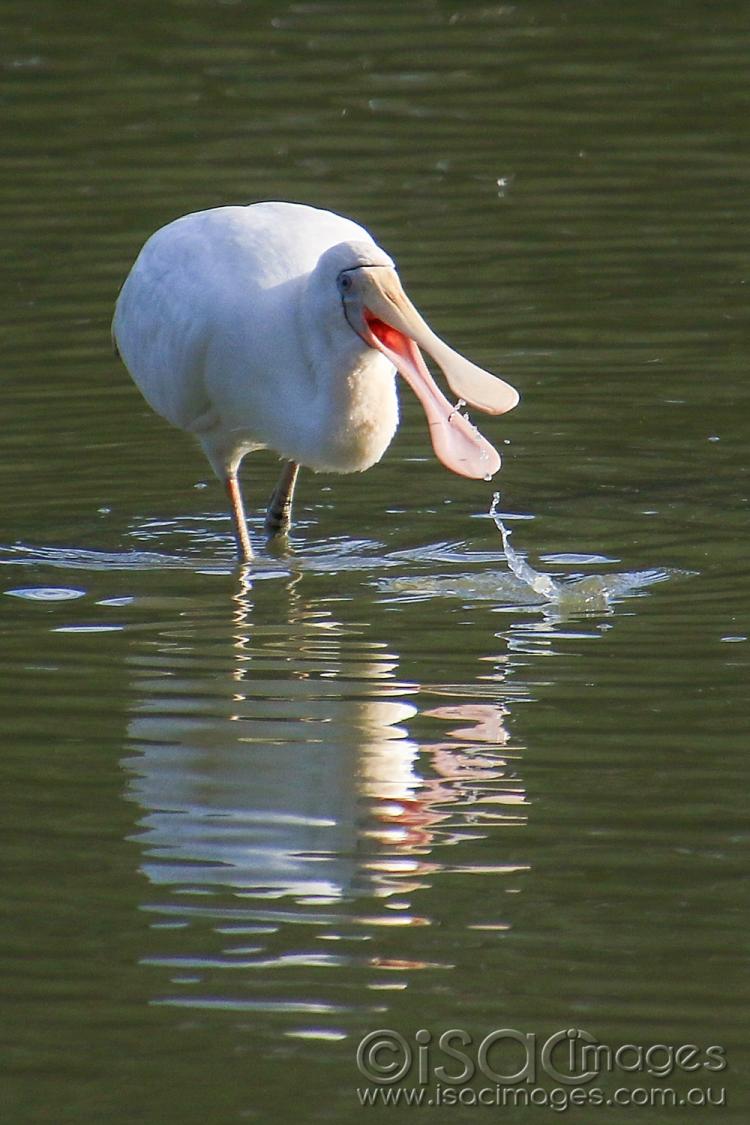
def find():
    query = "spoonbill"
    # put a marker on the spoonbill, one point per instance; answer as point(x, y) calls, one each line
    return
point(281, 326)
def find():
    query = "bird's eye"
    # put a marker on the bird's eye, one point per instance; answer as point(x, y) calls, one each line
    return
point(345, 282)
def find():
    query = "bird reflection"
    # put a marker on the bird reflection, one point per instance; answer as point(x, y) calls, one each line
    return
point(271, 775)
point(273, 763)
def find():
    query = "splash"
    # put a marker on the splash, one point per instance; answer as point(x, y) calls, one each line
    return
point(519, 584)
point(540, 583)
point(588, 594)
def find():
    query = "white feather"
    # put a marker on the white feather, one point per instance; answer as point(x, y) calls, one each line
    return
point(231, 325)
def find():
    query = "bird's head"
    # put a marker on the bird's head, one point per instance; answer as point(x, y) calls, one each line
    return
point(377, 309)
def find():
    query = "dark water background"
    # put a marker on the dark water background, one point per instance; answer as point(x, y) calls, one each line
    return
point(250, 819)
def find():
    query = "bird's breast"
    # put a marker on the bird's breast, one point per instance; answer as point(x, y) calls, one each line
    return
point(354, 418)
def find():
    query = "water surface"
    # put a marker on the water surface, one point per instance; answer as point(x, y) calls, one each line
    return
point(252, 816)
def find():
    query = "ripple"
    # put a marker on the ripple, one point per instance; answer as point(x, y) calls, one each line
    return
point(88, 629)
point(77, 558)
point(232, 1004)
point(46, 593)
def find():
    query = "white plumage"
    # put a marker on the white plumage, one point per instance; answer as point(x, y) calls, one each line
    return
point(280, 326)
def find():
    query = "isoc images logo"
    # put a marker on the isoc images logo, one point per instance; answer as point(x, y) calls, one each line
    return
point(505, 1056)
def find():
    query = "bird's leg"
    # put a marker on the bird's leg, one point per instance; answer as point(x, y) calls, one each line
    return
point(279, 512)
point(244, 547)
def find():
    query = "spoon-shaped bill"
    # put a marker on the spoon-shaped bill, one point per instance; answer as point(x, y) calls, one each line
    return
point(385, 300)
point(457, 443)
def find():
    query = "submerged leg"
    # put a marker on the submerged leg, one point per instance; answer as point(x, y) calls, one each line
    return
point(279, 512)
point(244, 549)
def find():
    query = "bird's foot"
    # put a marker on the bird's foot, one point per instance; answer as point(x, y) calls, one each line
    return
point(278, 520)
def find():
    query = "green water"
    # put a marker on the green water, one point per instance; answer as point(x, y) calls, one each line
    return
point(251, 817)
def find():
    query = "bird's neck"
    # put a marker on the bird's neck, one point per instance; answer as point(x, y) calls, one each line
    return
point(329, 344)
point(353, 405)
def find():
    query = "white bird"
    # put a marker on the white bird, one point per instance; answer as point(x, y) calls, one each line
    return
point(281, 326)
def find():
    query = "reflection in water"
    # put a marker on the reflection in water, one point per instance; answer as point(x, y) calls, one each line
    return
point(277, 776)
point(300, 800)
point(253, 777)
